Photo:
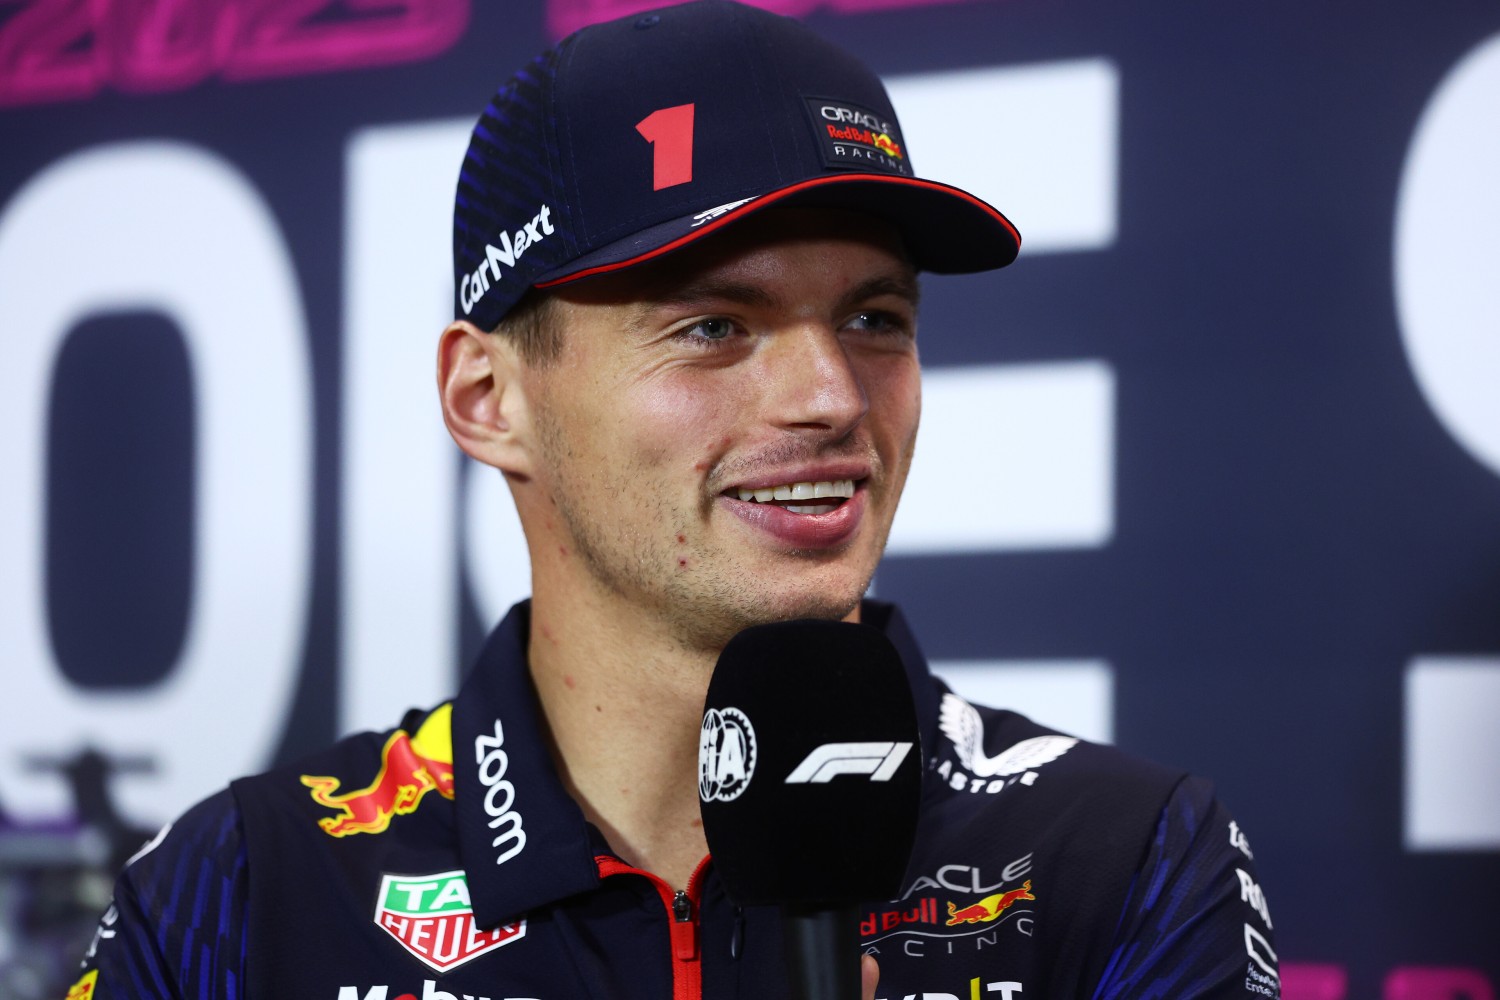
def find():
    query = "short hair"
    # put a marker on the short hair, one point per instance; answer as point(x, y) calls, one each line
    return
point(534, 326)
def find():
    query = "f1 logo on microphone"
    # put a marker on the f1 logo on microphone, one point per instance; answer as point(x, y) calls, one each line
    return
point(878, 760)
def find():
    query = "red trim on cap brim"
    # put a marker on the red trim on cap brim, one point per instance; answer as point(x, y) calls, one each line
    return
point(757, 203)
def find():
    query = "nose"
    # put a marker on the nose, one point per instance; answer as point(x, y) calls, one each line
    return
point(814, 384)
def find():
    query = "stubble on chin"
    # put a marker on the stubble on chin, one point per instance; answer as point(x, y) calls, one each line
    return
point(709, 628)
point(704, 604)
point(699, 607)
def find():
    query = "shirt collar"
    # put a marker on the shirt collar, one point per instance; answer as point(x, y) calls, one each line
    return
point(523, 841)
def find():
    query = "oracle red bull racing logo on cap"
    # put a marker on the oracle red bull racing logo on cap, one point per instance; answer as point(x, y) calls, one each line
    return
point(410, 767)
point(432, 917)
point(856, 137)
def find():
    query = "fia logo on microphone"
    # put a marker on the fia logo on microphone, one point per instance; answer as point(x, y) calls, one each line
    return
point(726, 754)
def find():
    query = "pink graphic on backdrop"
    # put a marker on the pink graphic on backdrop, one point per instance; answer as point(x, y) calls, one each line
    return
point(147, 46)
point(566, 16)
point(46, 52)
point(1432, 983)
point(281, 38)
point(1313, 981)
point(1322, 981)
point(61, 50)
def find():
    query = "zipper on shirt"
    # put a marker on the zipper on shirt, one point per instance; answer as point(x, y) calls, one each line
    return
point(682, 909)
point(684, 930)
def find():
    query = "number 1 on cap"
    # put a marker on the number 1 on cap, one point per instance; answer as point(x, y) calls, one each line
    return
point(670, 133)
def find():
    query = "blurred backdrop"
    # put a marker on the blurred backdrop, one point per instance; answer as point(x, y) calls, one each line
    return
point(1212, 472)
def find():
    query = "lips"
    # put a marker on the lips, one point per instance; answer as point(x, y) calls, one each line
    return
point(810, 513)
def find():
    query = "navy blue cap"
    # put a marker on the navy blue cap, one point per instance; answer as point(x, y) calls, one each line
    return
point(633, 138)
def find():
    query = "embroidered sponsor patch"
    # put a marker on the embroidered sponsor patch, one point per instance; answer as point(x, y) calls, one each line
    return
point(853, 137)
point(432, 917)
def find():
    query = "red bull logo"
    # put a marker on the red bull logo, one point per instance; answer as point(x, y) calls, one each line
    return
point(925, 912)
point(406, 775)
point(990, 907)
point(887, 145)
point(867, 137)
point(84, 988)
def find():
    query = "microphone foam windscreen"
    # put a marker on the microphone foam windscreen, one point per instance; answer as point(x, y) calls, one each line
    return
point(809, 765)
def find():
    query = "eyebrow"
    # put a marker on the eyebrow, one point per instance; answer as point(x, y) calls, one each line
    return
point(715, 289)
point(904, 286)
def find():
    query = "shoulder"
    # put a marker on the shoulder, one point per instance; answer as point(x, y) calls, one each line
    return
point(983, 759)
point(359, 785)
point(1007, 795)
point(1196, 912)
point(205, 876)
point(1139, 872)
point(1103, 801)
point(187, 883)
point(207, 837)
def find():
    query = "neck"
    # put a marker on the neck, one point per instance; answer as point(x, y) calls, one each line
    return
point(624, 703)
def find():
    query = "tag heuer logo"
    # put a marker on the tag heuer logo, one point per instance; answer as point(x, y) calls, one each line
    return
point(432, 918)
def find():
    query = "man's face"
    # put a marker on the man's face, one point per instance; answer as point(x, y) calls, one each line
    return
point(726, 433)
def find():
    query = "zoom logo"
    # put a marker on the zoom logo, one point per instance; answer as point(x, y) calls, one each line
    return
point(499, 794)
point(878, 759)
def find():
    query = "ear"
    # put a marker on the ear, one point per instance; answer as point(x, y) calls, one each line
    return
point(479, 382)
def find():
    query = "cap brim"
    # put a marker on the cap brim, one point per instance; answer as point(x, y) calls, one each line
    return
point(946, 229)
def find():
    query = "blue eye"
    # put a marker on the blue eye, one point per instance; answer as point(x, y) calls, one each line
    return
point(714, 328)
point(877, 321)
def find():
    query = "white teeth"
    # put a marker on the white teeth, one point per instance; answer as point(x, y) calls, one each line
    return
point(843, 488)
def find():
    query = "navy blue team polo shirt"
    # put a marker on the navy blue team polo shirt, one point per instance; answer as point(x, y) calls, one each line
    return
point(444, 860)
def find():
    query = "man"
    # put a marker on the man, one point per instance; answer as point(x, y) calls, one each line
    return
point(686, 247)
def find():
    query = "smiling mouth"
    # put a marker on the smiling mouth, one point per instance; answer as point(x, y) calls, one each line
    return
point(800, 498)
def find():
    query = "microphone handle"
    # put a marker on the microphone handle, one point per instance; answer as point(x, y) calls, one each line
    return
point(822, 950)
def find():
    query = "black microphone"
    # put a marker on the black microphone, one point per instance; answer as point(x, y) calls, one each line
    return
point(809, 776)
